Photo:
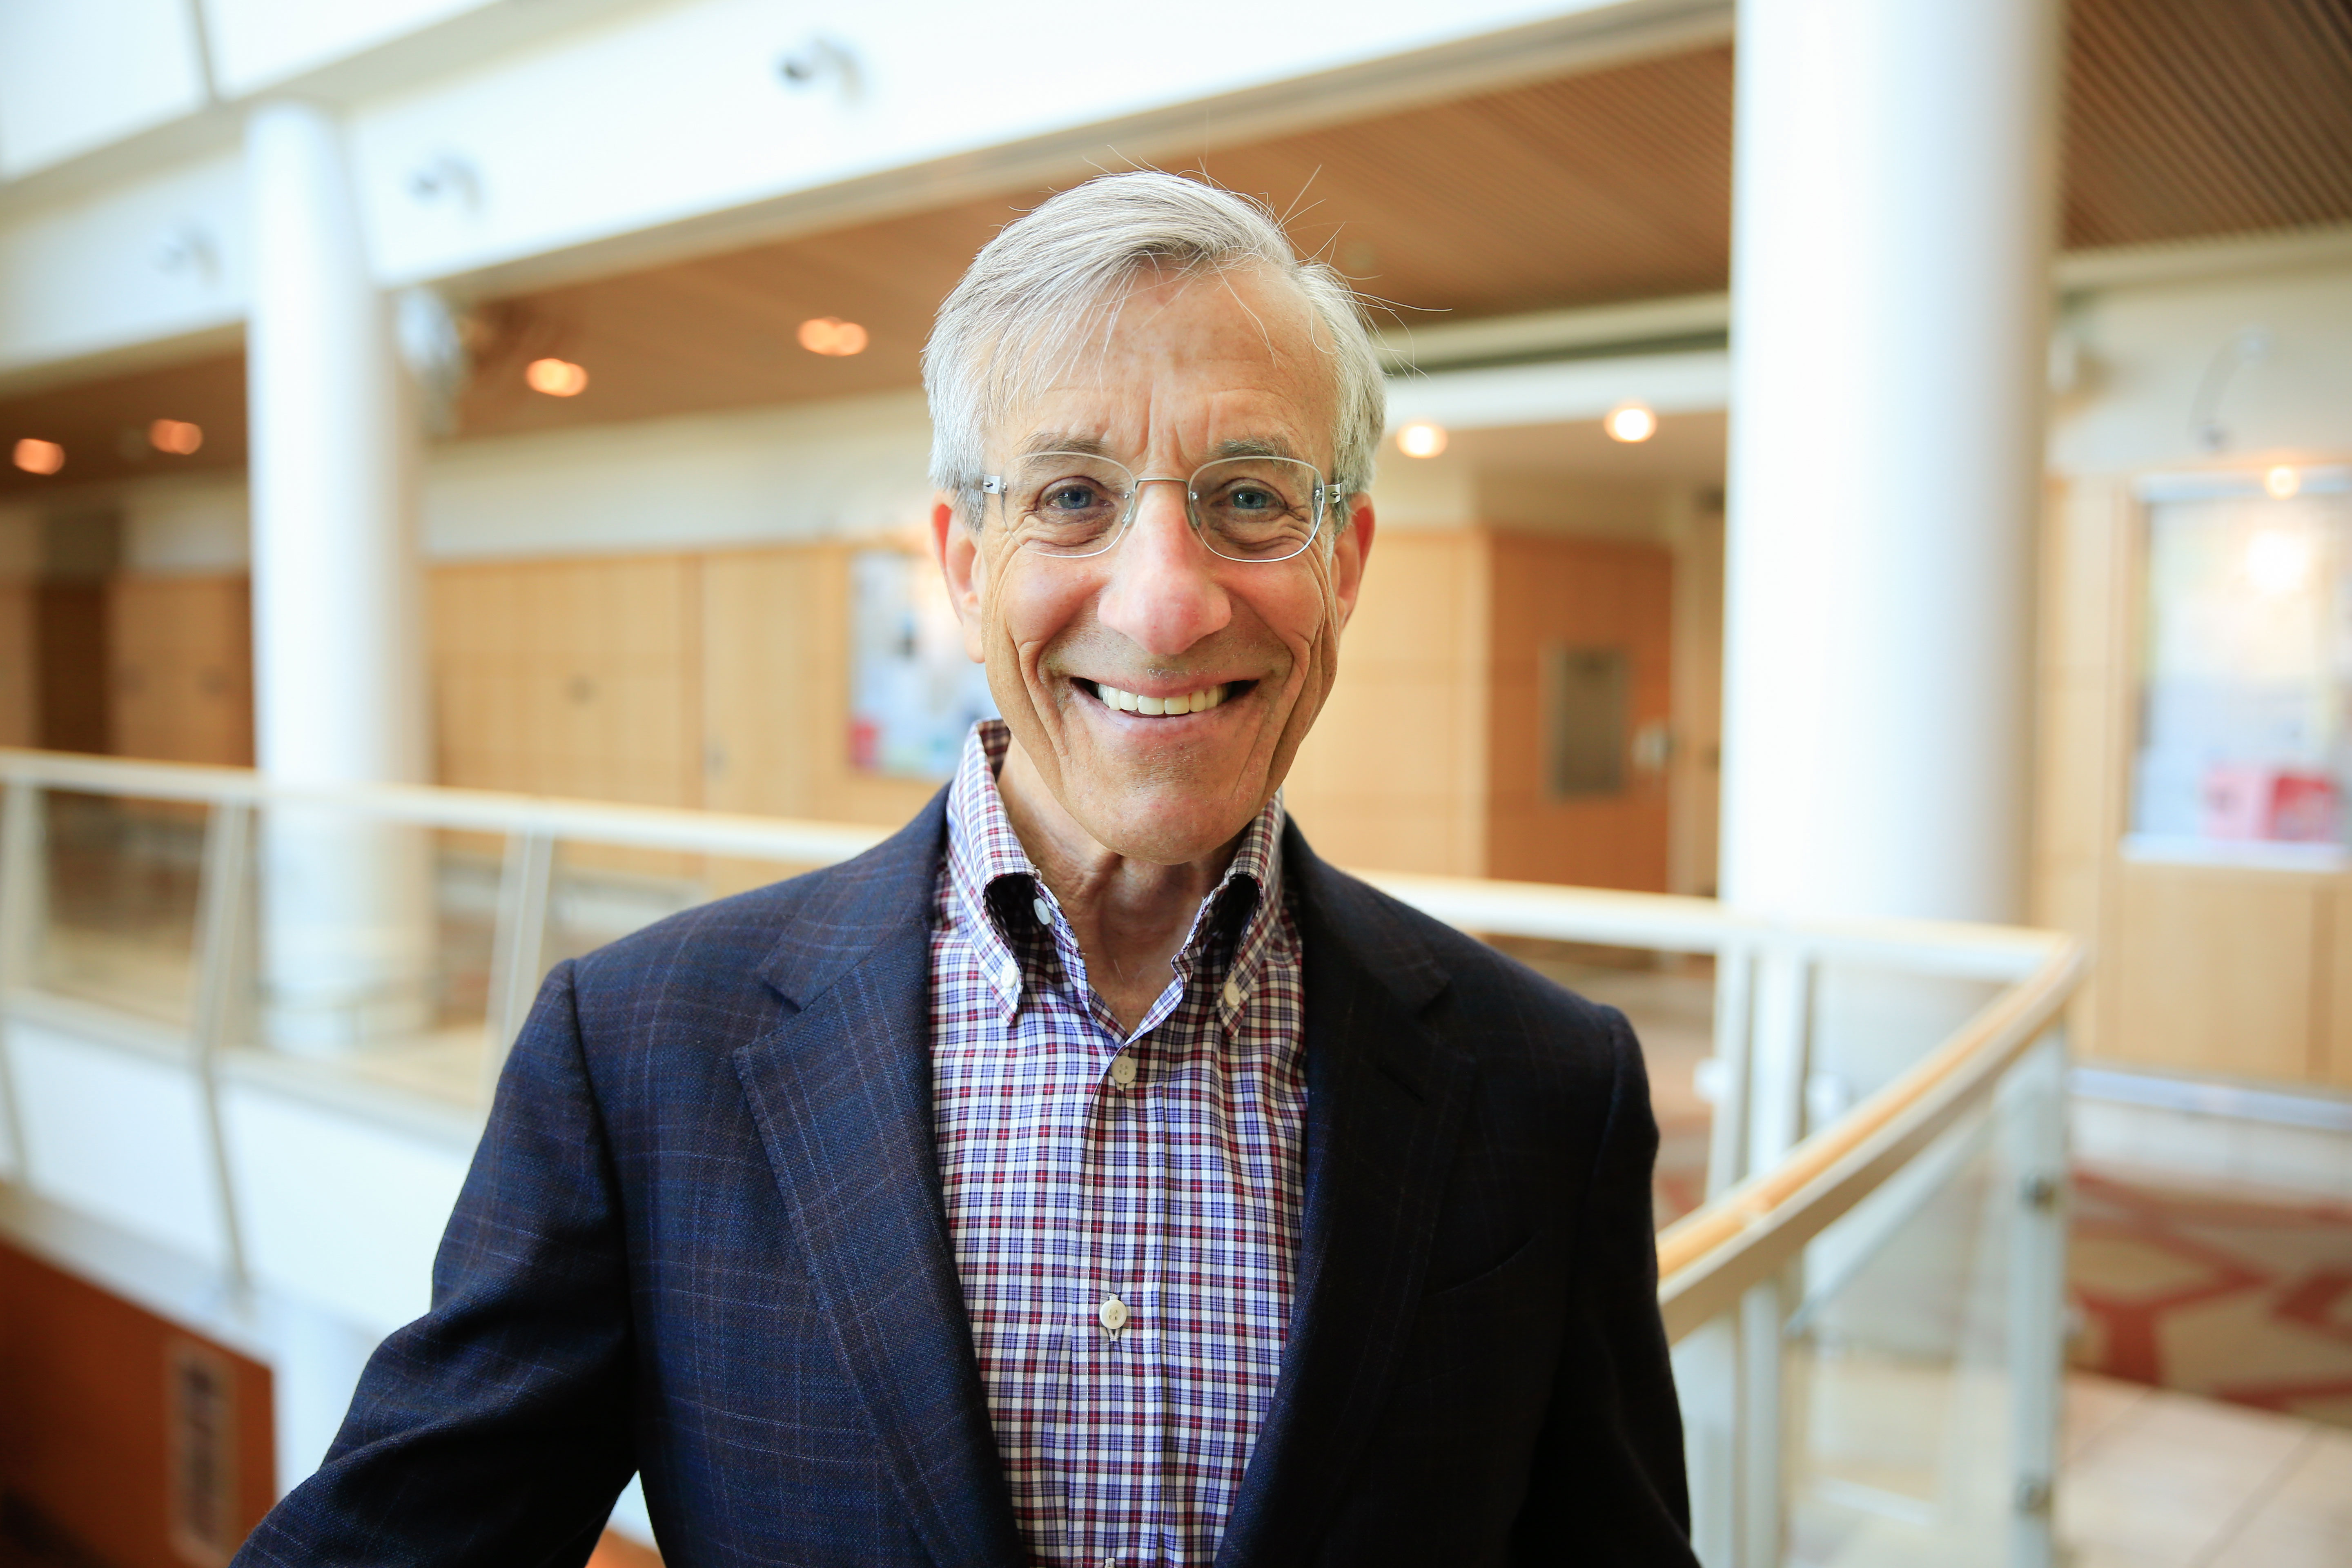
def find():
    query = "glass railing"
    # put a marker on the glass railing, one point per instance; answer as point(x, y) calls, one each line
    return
point(1861, 1180)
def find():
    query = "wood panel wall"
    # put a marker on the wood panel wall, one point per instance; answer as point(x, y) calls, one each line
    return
point(70, 667)
point(20, 717)
point(2082, 688)
point(1551, 592)
point(1395, 772)
point(775, 691)
point(85, 1441)
point(720, 680)
point(570, 677)
point(181, 652)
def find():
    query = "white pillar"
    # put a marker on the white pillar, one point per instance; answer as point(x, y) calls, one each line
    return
point(1894, 178)
point(337, 642)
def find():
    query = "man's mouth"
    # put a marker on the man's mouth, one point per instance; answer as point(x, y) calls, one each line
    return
point(1199, 700)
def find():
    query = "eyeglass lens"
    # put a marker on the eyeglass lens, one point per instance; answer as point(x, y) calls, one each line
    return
point(1244, 509)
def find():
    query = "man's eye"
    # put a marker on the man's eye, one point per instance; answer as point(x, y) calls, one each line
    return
point(1251, 499)
point(1073, 496)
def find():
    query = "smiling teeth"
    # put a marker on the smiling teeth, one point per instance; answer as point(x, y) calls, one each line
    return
point(1186, 702)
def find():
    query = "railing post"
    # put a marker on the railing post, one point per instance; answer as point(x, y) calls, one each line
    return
point(1707, 1381)
point(1763, 1481)
point(519, 947)
point(1726, 1137)
point(2033, 1133)
point(1777, 1058)
point(21, 903)
point(221, 950)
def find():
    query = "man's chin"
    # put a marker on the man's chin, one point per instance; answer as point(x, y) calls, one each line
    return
point(1172, 831)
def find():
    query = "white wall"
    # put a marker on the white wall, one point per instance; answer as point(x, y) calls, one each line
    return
point(853, 467)
point(805, 470)
point(78, 75)
point(2146, 347)
point(182, 526)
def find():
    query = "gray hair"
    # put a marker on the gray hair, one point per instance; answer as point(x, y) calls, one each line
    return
point(1058, 275)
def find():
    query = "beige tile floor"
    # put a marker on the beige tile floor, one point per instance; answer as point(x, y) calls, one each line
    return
point(2150, 1478)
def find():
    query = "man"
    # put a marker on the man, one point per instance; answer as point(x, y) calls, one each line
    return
point(1089, 1174)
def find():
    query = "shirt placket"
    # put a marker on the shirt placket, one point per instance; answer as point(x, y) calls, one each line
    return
point(1104, 1508)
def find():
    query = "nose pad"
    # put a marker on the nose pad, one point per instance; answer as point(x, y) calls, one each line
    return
point(1142, 496)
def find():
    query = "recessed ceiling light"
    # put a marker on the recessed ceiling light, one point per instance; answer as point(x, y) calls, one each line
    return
point(38, 457)
point(1422, 438)
point(1630, 422)
point(832, 336)
point(176, 436)
point(2282, 482)
point(556, 377)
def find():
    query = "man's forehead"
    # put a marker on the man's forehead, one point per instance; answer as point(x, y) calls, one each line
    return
point(1091, 443)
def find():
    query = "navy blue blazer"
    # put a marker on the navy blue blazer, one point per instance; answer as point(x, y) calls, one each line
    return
point(704, 1238)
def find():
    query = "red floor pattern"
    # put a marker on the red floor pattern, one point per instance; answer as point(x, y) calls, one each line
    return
point(2233, 1297)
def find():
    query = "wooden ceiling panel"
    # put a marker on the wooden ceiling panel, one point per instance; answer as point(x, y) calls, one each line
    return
point(103, 424)
point(2187, 118)
point(1610, 186)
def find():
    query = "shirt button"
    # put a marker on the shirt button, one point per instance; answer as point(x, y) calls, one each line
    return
point(1044, 912)
point(1122, 1070)
point(1232, 995)
point(1111, 1314)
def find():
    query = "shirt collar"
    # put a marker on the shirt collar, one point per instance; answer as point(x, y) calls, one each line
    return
point(983, 852)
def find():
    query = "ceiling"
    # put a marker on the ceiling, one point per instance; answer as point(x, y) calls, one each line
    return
point(2184, 118)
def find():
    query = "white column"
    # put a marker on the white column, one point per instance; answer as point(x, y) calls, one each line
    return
point(1893, 201)
point(337, 643)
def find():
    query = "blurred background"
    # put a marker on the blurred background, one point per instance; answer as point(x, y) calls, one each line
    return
point(1848, 460)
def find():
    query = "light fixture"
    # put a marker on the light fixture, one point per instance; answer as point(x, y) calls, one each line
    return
point(833, 337)
point(2282, 482)
point(2278, 562)
point(1421, 439)
point(556, 377)
point(176, 436)
point(38, 457)
point(1630, 422)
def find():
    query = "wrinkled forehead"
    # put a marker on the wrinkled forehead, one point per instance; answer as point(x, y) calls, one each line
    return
point(1087, 443)
point(1233, 359)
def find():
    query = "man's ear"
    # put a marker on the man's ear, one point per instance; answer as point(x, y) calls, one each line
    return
point(1349, 554)
point(958, 554)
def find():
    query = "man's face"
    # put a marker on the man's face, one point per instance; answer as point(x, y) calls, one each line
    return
point(1191, 369)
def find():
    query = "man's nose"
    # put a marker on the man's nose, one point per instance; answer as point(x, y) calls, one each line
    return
point(1163, 594)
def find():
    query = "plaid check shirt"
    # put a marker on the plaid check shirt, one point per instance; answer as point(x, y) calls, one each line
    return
point(1125, 1207)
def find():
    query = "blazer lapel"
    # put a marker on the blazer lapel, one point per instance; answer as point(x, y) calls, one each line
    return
point(842, 1094)
point(1384, 1105)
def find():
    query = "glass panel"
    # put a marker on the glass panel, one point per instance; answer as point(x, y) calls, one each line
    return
point(600, 892)
point(372, 956)
point(121, 886)
point(1898, 1401)
point(2247, 667)
point(1870, 1023)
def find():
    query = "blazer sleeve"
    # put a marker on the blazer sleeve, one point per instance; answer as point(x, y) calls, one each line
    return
point(1608, 1484)
point(495, 1429)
